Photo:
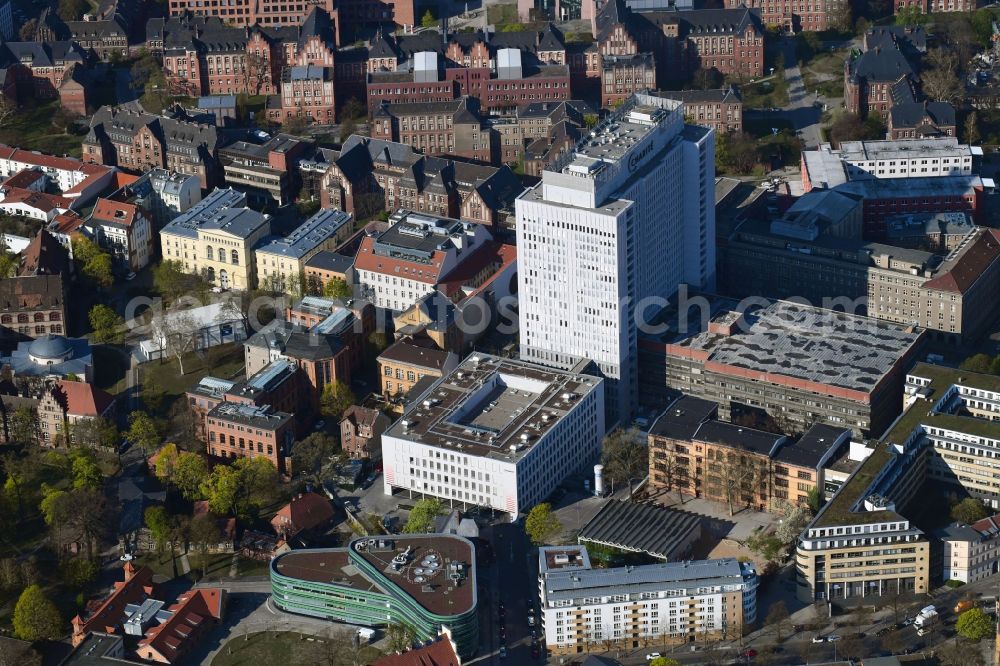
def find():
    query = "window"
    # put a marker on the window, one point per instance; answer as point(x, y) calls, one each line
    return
point(209, 253)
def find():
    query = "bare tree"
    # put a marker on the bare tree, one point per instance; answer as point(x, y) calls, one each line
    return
point(739, 477)
point(674, 469)
point(7, 109)
point(256, 73)
point(941, 81)
point(625, 456)
point(176, 333)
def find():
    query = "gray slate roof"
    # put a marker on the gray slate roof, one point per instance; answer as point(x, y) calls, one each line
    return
point(646, 528)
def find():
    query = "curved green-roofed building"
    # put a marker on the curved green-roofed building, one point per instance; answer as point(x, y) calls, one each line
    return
point(424, 581)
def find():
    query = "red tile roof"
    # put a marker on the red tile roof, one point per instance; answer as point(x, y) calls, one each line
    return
point(66, 223)
point(304, 512)
point(82, 399)
point(45, 255)
point(439, 653)
point(39, 200)
point(40, 159)
point(361, 415)
point(172, 639)
point(971, 265)
point(24, 178)
point(367, 260)
point(114, 212)
point(108, 614)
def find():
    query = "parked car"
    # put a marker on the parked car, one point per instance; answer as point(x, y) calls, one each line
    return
point(749, 653)
point(503, 651)
point(819, 639)
point(653, 655)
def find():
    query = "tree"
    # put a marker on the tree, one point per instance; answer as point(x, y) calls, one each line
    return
point(541, 524)
point(189, 475)
point(893, 642)
point(941, 81)
point(852, 647)
point(95, 264)
point(71, 10)
point(159, 524)
point(337, 288)
point(377, 342)
point(959, 653)
point(309, 454)
point(256, 73)
point(143, 431)
point(793, 520)
point(737, 151)
point(106, 324)
point(847, 127)
point(35, 617)
point(94, 431)
point(49, 506)
point(625, 456)
point(400, 637)
point(422, 516)
point(204, 534)
point(86, 473)
point(707, 79)
point(428, 20)
point(177, 334)
point(766, 545)
point(27, 31)
point(78, 572)
point(981, 363)
point(64, 120)
point(335, 399)
point(974, 624)
point(911, 16)
point(9, 262)
point(675, 473)
point(239, 488)
point(815, 499)
point(737, 476)
point(663, 661)
point(353, 108)
point(969, 511)
point(777, 617)
point(972, 135)
point(24, 425)
point(295, 124)
point(170, 280)
point(347, 127)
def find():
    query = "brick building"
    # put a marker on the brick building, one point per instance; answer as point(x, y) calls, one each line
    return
point(134, 140)
point(237, 430)
point(882, 76)
point(361, 431)
point(692, 451)
point(436, 128)
point(728, 40)
point(307, 91)
point(721, 109)
point(369, 175)
point(919, 120)
point(39, 69)
point(793, 16)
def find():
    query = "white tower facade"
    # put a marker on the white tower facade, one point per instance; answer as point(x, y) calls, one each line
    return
point(624, 218)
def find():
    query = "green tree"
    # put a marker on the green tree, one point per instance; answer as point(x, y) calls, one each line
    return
point(189, 475)
point(969, 511)
point(541, 524)
point(335, 399)
point(166, 463)
point(400, 637)
point(95, 264)
point(981, 363)
point(766, 545)
point(513, 27)
point(96, 431)
point(35, 617)
point(337, 288)
point(663, 661)
point(106, 324)
point(911, 16)
point(309, 454)
point(422, 515)
point(51, 497)
point(78, 572)
point(86, 472)
point(23, 425)
point(239, 488)
point(974, 624)
point(9, 263)
point(160, 526)
point(27, 31)
point(815, 499)
point(170, 280)
point(143, 431)
point(428, 20)
point(377, 342)
point(625, 457)
point(71, 10)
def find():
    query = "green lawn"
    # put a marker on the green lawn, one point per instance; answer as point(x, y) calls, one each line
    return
point(764, 94)
point(499, 15)
point(273, 647)
point(225, 361)
point(218, 565)
point(31, 128)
